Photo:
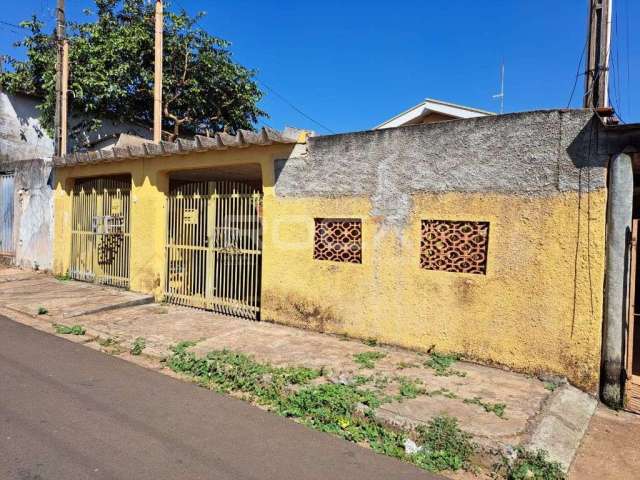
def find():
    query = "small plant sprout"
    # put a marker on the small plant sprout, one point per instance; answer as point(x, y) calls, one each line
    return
point(67, 330)
point(442, 364)
point(497, 408)
point(42, 311)
point(368, 359)
point(139, 345)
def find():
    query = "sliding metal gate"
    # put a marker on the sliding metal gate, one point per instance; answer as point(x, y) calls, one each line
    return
point(6, 213)
point(214, 247)
point(100, 241)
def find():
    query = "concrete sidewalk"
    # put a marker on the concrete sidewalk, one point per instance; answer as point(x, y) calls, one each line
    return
point(501, 409)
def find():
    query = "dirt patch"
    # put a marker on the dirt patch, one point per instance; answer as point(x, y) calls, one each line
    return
point(296, 310)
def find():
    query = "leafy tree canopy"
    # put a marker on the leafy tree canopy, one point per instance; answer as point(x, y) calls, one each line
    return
point(111, 62)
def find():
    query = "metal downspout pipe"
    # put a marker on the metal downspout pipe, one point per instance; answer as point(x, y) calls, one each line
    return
point(619, 218)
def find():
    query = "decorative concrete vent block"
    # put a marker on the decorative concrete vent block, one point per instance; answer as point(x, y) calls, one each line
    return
point(338, 240)
point(454, 246)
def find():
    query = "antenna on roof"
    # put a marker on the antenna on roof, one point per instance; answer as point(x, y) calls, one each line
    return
point(501, 94)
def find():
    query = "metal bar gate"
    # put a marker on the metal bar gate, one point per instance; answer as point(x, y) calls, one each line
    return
point(6, 213)
point(214, 247)
point(100, 240)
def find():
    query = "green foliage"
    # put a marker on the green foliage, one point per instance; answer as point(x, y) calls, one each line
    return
point(368, 359)
point(108, 342)
point(442, 391)
point(139, 345)
point(42, 311)
point(63, 278)
point(410, 388)
point(66, 330)
point(497, 408)
point(442, 364)
point(111, 59)
point(550, 386)
point(444, 445)
point(343, 410)
point(371, 342)
point(235, 372)
point(529, 466)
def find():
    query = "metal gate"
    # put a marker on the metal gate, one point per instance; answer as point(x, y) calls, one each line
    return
point(214, 247)
point(100, 240)
point(6, 213)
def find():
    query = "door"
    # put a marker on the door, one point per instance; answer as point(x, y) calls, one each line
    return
point(100, 240)
point(633, 326)
point(214, 247)
point(6, 213)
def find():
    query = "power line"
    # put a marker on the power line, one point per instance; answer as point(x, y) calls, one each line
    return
point(281, 97)
point(296, 108)
point(578, 73)
point(8, 24)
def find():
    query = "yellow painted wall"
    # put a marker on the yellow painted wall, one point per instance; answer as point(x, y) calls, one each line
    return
point(538, 308)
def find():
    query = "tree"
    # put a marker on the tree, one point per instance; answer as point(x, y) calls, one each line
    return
point(111, 72)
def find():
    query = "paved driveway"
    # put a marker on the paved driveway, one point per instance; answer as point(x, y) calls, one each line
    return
point(68, 412)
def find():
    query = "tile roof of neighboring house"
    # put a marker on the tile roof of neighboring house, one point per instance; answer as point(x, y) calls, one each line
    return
point(431, 105)
point(220, 141)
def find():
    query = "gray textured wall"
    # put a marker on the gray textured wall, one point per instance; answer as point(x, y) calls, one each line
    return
point(533, 153)
point(33, 212)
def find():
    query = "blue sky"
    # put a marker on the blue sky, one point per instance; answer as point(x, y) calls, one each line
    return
point(350, 65)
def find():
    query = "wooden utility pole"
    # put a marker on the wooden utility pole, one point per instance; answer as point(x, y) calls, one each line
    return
point(57, 122)
point(157, 83)
point(63, 97)
point(596, 86)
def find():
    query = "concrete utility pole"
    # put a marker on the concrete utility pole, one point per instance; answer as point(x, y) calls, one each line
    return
point(57, 122)
point(596, 86)
point(63, 97)
point(157, 83)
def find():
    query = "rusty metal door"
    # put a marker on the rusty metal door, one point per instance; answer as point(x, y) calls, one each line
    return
point(100, 239)
point(214, 247)
point(6, 213)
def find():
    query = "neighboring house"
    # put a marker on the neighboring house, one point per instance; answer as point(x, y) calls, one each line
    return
point(432, 111)
point(26, 208)
point(502, 238)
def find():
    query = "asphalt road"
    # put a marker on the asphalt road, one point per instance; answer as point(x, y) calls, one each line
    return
point(68, 412)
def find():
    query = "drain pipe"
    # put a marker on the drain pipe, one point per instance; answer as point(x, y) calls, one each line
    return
point(619, 217)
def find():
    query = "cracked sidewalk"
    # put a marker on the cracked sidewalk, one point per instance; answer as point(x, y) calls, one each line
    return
point(533, 414)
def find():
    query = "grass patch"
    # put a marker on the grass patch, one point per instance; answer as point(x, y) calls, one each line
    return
point(497, 408)
point(442, 364)
point(529, 466)
point(230, 371)
point(139, 344)
point(42, 311)
point(64, 277)
point(368, 359)
point(409, 388)
point(550, 386)
point(444, 446)
point(69, 330)
point(343, 410)
point(442, 391)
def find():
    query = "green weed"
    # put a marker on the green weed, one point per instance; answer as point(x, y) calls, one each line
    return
point(343, 410)
point(497, 408)
point(42, 311)
point(368, 359)
point(108, 342)
point(66, 330)
point(410, 388)
point(442, 391)
point(444, 445)
point(550, 386)
point(371, 342)
point(139, 345)
point(442, 364)
point(529, 466)
point(229, 371)
point(64, 277)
